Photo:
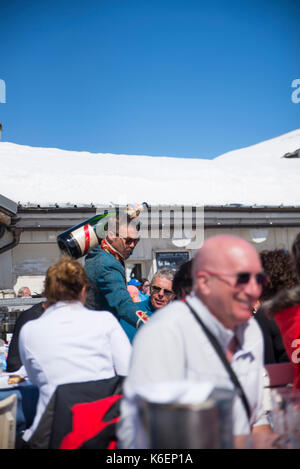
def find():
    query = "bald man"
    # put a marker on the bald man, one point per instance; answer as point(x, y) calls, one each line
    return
point(173, 346)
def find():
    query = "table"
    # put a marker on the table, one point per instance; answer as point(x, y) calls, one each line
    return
point(27, 395)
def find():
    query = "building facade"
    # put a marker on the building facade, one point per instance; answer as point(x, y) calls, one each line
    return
point(169, 235)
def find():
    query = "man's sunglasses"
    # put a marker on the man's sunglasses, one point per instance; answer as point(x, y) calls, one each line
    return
point(242, 278)
point(129, 241)
point(156, 289)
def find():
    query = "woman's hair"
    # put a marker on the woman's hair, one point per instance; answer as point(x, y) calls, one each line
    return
point(278, 264)
point(64, 281)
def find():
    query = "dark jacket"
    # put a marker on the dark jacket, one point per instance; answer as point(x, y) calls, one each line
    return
point(13, 357)
point(274, 351)
point(80, 416)
point(145, 306)
point(108, 289)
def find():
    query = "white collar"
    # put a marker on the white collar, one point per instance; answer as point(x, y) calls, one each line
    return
point(62, 304)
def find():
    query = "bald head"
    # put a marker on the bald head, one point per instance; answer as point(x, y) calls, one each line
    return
point(221, 252)
point(217, 265)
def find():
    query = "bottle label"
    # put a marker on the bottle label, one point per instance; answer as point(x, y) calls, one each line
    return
point(86, 238)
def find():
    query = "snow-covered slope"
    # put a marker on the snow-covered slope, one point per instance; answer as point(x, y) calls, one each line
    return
point(254, 175)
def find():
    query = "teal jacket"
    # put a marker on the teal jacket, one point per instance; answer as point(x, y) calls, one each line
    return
point(108, 289)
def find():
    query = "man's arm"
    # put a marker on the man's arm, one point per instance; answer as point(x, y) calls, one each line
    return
point(112, 285)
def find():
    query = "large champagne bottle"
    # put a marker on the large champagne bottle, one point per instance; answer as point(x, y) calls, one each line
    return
point(79, 239)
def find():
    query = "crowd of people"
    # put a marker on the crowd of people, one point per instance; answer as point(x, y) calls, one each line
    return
point(220, 317)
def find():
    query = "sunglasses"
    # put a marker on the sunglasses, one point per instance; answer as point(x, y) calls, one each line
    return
point(129, 241)
point(243, 278)
point(156, 289)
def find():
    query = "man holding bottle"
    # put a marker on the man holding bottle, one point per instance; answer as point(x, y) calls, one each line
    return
point(105, 267)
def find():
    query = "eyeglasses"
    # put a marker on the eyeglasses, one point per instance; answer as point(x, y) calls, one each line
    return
point(129, 241)
point(156, 289)
point(243, 278)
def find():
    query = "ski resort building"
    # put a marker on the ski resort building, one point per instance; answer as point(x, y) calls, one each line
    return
point(253, 193)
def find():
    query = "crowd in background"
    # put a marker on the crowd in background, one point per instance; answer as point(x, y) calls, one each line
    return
point(92, 318)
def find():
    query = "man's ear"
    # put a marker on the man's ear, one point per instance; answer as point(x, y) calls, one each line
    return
point(82, 295)
point(202, 283)
point(110, 236)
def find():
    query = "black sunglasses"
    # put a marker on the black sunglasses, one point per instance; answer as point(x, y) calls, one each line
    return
point(128, 241)
point(156, 289)
point(242, 278)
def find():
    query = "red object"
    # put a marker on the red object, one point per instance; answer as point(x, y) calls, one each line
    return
point(87, 419)
point(288, 321)
point(86, 238)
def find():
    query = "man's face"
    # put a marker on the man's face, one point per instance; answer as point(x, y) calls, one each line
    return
point(126, 241)
point(25, 292)
point(161, 292)
point(230, 297)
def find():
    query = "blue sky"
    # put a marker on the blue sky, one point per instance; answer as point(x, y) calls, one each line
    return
point(184, 78)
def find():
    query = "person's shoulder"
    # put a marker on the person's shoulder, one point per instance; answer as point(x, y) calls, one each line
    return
point(169, 315)
point(94, 254)
point(176, 307)
point(99, 315)
point(104, 319)
point(28, 326)
point(144, 303)
point(164, 325)
point(253, 332)
point(29, 314)
point(99, 262)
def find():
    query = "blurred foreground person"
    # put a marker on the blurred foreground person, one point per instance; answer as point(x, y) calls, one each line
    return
point(173, 346)
point(70, 343)
point(285, 309)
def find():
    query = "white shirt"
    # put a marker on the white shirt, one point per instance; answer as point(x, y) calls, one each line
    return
point(172, 346)
point(70, 343)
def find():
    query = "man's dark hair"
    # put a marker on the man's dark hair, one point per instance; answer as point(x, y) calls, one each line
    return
point(183, 281)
